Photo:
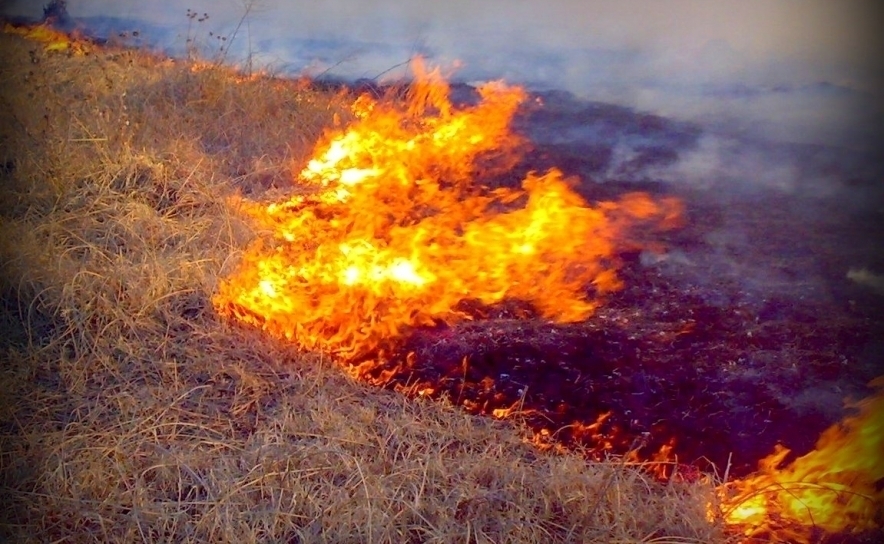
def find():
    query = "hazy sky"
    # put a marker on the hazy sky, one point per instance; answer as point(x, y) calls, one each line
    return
point(792, 69)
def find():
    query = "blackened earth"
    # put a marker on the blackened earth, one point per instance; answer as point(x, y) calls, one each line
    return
point(719, 381)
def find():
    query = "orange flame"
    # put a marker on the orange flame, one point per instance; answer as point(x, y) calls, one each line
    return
point(835, 488)
point(52, 40)
point(396, 232)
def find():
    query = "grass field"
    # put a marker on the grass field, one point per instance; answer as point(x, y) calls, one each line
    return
point(130, 412)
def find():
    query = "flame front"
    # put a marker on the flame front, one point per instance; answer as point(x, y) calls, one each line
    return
point(835, 488)
point(396, 232)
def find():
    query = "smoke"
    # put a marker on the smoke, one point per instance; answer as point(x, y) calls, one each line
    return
point(772, 86)
point(791, 70)
point(863, 276)
point(733, 165)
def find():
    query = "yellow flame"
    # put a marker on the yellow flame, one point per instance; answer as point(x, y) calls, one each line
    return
point(837, 487)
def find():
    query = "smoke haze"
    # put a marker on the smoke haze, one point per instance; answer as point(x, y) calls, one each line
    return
point(790, 70)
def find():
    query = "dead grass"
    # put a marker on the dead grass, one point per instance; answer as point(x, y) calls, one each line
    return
point(131, 413)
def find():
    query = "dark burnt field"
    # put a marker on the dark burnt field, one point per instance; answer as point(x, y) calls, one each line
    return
point(737, 331)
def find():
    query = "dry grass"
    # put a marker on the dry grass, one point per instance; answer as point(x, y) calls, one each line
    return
point(130, 413)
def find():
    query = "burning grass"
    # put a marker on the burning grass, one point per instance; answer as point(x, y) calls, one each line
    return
point(402, 232)
point(132, 413)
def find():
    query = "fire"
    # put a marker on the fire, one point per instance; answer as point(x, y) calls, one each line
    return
point(835, 488)
point(397, 230)
point(52, 40)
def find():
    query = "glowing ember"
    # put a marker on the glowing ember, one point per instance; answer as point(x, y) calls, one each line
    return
point(835, 488)
point(398, 232)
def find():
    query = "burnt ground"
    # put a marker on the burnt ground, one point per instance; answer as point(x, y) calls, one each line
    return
point(673, 363)
point(738, 331)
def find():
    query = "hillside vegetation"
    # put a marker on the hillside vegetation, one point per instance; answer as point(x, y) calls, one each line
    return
point(131, 412)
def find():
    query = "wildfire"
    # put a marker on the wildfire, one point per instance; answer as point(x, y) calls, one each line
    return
point(397, 230)
point(835, 488)
point(397, 227)
point(52, 40)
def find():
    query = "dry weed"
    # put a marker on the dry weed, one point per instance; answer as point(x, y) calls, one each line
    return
point(131, 413)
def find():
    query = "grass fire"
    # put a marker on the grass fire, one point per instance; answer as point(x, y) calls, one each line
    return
point(198, 261)
point(399, 233)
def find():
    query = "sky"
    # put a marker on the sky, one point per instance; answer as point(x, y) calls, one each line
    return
point(789, 70)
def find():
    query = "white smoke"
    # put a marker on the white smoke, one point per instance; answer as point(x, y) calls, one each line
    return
point(790, 70)
point(867, 278)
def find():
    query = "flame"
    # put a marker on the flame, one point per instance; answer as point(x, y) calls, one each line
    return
point(396, 232)
point(52, 40)
point(835, 488)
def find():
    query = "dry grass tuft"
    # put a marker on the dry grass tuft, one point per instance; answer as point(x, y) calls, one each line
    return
point(131, 413)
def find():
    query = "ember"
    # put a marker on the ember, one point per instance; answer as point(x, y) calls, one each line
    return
point(398, 233)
